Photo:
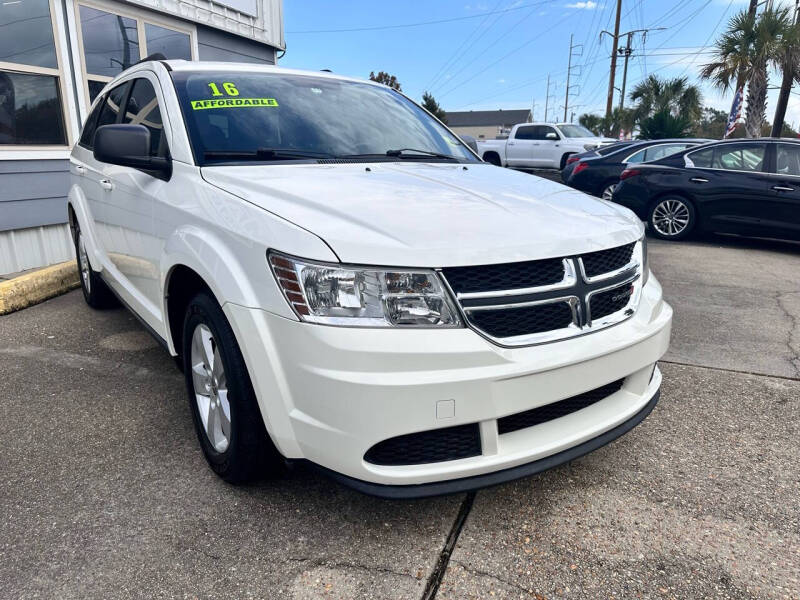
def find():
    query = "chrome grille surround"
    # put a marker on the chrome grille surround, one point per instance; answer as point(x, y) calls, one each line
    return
point(576, 289)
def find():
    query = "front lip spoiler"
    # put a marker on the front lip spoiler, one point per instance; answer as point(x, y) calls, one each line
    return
point(468, 484)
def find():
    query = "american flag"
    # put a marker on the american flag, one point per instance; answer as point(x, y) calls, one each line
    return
point(736, 112)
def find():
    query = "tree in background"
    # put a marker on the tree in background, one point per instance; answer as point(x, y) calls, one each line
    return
point(386, 79)
point(674, 96)
point(593, 123)
point(712, 124)
point(789, 64)
point(430, 104)
point(749, 45)
point(663, 125)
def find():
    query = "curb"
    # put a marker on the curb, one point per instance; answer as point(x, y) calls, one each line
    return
point(33, 288)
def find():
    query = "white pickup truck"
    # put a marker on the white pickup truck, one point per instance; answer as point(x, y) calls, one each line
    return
point(540, 145)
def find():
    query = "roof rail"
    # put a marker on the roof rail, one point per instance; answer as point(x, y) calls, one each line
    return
point(154, 56)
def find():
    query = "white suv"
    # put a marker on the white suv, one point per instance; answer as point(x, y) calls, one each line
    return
point(344, 282)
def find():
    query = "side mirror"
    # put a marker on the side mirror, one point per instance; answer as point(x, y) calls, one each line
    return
point(129, 146)
point(551, 136)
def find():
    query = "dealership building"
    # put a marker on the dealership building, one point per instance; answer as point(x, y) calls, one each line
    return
point(56, 56)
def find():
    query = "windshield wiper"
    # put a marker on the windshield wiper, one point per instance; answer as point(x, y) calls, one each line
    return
point(400, 153)
point(263, 154)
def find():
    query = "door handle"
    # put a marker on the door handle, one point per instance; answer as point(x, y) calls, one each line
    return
point(80, 170)
point(510, 143)
point(699, 180)
point(782, 188)
point(107, 184)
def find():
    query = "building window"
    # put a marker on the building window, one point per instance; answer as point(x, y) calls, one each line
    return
point(31, 106)
point(170, 43)
point(112, 41)
point(31, 110)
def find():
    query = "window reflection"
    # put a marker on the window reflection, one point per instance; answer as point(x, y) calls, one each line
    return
point(110, 42)
point(30, 110)
point(170, 43)
point(26, 33)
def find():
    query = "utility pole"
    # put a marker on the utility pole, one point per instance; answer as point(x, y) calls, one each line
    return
point(547, 98)
point(572, 52)
point(610, 98)
point(569, 67)
point(627, 50)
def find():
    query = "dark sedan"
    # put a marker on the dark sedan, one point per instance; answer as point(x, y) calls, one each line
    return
point(746, 187)
point(573, 159)
point(598, 175)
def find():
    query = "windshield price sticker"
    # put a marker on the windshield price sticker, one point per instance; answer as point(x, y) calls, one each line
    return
point(233, 103)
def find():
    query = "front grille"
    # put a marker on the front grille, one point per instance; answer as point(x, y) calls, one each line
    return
point(547, 300)
point(606, 261)
point(555, 410)
point(436, 445)
point(506, 276)
point(606, 303)
point(509, 322)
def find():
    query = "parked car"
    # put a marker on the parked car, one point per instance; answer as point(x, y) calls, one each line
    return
point(601, 151)
point(598, 175)
point(345, 283)
point(746, 187)
point(540, 145)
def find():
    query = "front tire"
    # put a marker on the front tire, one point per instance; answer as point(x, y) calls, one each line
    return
point(95, 291)
point(224, 408)
point(672, 218)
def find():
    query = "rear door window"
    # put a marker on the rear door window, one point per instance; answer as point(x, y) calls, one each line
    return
point(749, 157)
point(526, 132)
point(662, 150)
point(87, 136)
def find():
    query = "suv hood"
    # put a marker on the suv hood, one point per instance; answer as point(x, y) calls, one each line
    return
point(431, 214)
point(594, 141)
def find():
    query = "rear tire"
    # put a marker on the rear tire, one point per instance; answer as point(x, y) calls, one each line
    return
point(95, 291)
point(607, 191)
point(493, 158)
point(672, 218)
point(225, 411)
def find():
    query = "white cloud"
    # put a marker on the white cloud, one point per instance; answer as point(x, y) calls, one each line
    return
point(587, 5)
point(501, 81)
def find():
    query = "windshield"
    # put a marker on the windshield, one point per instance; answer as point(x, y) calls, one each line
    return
point(234, 117)
point(575, 131)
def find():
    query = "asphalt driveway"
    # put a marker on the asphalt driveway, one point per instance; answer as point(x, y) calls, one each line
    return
point(104, 492)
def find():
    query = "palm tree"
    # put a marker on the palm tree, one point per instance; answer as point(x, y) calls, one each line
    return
point(675, 96)
point(592, 122)
point(789, 64)
point(747, 46)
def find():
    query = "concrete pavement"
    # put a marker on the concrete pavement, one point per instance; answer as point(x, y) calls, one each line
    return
point(104, 492)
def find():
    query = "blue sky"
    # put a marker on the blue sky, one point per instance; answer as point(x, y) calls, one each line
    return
point(489, 54)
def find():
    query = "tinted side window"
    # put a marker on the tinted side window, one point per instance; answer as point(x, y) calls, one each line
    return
point(142, 109)
point(638, 157)
point(87, 136)
point(111, 105)
point(662, 150)
point(525, 133)
point(543, 130)
point(789, 159)
point(749, 157)
point(702, 158)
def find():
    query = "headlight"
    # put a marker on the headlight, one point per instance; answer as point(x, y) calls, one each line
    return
point(589, 147)
point(363, 296)
point(645, 263)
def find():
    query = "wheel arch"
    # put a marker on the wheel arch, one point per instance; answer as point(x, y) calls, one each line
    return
point(492, 154)
point(564, 158)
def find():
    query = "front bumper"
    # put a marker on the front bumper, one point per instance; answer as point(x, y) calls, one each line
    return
point(328, 394)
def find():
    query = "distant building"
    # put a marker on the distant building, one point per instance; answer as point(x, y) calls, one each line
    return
point(486, 124)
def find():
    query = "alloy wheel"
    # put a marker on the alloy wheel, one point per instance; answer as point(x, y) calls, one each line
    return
point(211, 388)
point(608, 192)
point(671, 217)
